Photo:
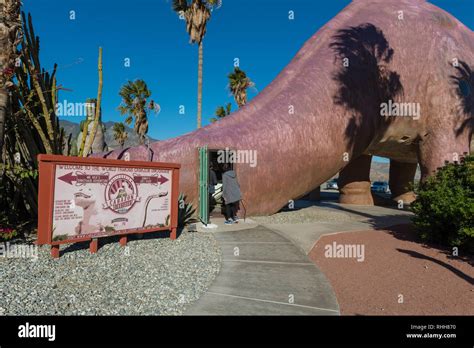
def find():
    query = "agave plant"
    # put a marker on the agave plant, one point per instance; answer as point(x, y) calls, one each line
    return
point(185, 211)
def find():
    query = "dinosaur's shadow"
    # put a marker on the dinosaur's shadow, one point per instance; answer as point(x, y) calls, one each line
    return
point(463, 81)
point(364, 79)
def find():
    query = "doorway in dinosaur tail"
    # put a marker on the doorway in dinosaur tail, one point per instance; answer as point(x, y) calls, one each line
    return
point(211, 168)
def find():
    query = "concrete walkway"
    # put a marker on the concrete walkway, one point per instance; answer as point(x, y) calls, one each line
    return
point(265, 268)
point(263, 273)
point(305, 235)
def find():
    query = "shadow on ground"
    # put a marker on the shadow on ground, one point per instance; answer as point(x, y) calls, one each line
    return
point(457, 272)
point(407, 232)
point(115, 239)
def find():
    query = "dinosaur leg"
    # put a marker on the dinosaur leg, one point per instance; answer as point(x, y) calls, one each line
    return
point(436, 148)
point(400, 180)
point(354, 182)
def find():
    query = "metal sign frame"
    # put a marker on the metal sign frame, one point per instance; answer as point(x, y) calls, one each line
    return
point(47, 170)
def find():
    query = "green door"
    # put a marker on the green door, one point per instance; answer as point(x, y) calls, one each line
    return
point(203, 185)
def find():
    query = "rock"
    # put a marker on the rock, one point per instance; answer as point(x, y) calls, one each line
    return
point(108, 283)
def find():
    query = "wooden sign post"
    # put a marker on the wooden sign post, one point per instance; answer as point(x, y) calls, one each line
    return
point(82, 199)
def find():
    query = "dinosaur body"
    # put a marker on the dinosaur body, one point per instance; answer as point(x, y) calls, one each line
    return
point(323, 111)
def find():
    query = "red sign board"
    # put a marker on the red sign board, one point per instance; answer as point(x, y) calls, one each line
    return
point(86, 198)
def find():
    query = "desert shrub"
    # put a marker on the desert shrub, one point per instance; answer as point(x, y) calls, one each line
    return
point(185, 211)
point(7, 234)
point(444, 208)
point(14, 219)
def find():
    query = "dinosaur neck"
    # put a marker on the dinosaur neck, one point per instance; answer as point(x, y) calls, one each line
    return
point(298, 137)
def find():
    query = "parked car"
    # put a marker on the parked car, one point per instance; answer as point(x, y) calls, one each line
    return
point(380, 186)
point(332, 185)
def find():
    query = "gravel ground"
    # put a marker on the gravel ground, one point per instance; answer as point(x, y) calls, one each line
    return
point(151, 276)
point(303, 215)
point(398, 276)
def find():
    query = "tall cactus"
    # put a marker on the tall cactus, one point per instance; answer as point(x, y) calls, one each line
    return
point(32, 128)
point(93, 132)
point(37, 92)
point(98, 144)
point(10, 38)
point(85, 127)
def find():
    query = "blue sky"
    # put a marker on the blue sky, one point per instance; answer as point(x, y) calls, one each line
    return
point(148, 32)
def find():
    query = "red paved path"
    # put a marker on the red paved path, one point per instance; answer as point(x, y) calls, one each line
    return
point(431, 281)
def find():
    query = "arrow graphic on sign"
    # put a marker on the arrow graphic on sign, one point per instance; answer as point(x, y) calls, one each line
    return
point(162, 179)
point(150, 179)
point(69, 178)
point(81, 178)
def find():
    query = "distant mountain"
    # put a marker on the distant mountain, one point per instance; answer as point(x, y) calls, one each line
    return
point(74, 129)
point(379, 171)
point(70, 127)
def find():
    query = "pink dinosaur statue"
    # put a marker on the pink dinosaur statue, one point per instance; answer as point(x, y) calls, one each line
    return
point(389, 78)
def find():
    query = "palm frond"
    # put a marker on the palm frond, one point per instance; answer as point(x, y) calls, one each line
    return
point(179, 5)
point(239, 82)
point(129, 120)
point(228, 108)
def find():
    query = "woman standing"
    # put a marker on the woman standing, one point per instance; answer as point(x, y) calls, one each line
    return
point(231, 193)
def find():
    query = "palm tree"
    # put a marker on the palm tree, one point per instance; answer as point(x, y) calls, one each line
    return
point(238, 84)
point(222, 112)
point(135, 105)
point(120, 134)
point(10, 38)
point(196, 14)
